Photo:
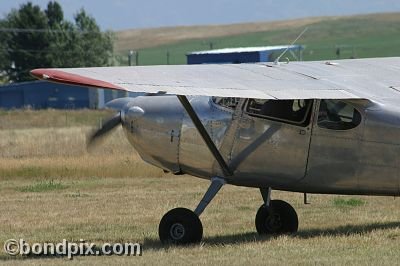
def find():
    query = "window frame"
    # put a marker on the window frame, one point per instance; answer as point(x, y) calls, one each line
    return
point(224, 107)
point(306, 121)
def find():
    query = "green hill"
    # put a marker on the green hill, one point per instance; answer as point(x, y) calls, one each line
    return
point(374, 35)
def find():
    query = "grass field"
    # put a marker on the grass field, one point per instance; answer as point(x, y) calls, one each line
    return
point(52, 189)
point(363, 36)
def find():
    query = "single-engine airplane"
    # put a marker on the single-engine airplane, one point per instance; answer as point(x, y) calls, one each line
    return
point(311, 127)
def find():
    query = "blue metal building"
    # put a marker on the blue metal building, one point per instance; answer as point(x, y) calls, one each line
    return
point(42, 94)
point(243, 55)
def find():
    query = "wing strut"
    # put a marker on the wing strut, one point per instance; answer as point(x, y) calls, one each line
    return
point(204, 134)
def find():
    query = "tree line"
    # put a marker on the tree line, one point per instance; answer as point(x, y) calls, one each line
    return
point(34, 38)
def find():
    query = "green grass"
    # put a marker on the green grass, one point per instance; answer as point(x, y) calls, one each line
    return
point(359, 37)
point(43, 186)
point(351, 202)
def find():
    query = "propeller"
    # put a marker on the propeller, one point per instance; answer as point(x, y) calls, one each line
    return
point(126, 108)
point(107, 127)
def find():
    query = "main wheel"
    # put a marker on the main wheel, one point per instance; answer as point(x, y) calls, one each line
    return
point(180, 226)
point(278, 218)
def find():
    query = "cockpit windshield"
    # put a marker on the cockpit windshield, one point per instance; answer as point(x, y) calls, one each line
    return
point(228, 102)
point(296, 112)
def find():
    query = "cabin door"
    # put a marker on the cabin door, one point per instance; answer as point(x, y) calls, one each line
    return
point(273, 140)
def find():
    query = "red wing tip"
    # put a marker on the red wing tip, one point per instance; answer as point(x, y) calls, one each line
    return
point(64, 77)
point(39, 73)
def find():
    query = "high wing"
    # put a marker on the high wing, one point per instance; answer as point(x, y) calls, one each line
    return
point(376, 79)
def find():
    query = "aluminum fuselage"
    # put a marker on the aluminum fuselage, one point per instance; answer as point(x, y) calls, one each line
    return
point(265, 153)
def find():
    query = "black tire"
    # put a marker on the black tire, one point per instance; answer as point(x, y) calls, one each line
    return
point(180, 226)
point(278, 218)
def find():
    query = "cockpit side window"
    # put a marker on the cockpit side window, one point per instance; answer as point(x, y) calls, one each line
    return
point(297, 112)
point(228, 102)
point(338, 115)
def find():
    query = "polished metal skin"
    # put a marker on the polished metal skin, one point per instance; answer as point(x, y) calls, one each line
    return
point(266, 153)
point(376, 79)
point(363, 160)
point(312, 127)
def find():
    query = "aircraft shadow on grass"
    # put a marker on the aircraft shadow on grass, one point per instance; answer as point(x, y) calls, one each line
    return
point(249, 237)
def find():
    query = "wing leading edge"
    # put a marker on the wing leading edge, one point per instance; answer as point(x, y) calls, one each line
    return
point(344, 79)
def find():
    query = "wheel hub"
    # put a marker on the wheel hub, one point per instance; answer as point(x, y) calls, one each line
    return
point(273, 222)
point(177, 231)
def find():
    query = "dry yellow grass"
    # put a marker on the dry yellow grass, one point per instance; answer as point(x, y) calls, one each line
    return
point(110, 195)
point(61, 152)
point(129, 209)
point(51, 118)
point(40, 144)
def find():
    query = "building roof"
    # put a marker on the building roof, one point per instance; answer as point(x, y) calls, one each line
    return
point(246, 49)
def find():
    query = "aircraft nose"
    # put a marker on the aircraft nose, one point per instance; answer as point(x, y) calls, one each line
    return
point(152, 125)
point(129, 108)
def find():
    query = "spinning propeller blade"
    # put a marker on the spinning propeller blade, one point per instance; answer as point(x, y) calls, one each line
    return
point(107, 127)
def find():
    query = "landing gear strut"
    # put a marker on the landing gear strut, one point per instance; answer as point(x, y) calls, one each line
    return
point(183, 226)
point(275, 216)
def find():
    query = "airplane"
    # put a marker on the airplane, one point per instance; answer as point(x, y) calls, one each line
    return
point(326, 127)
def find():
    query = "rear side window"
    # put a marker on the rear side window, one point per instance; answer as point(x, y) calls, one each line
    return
point(338, 115)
